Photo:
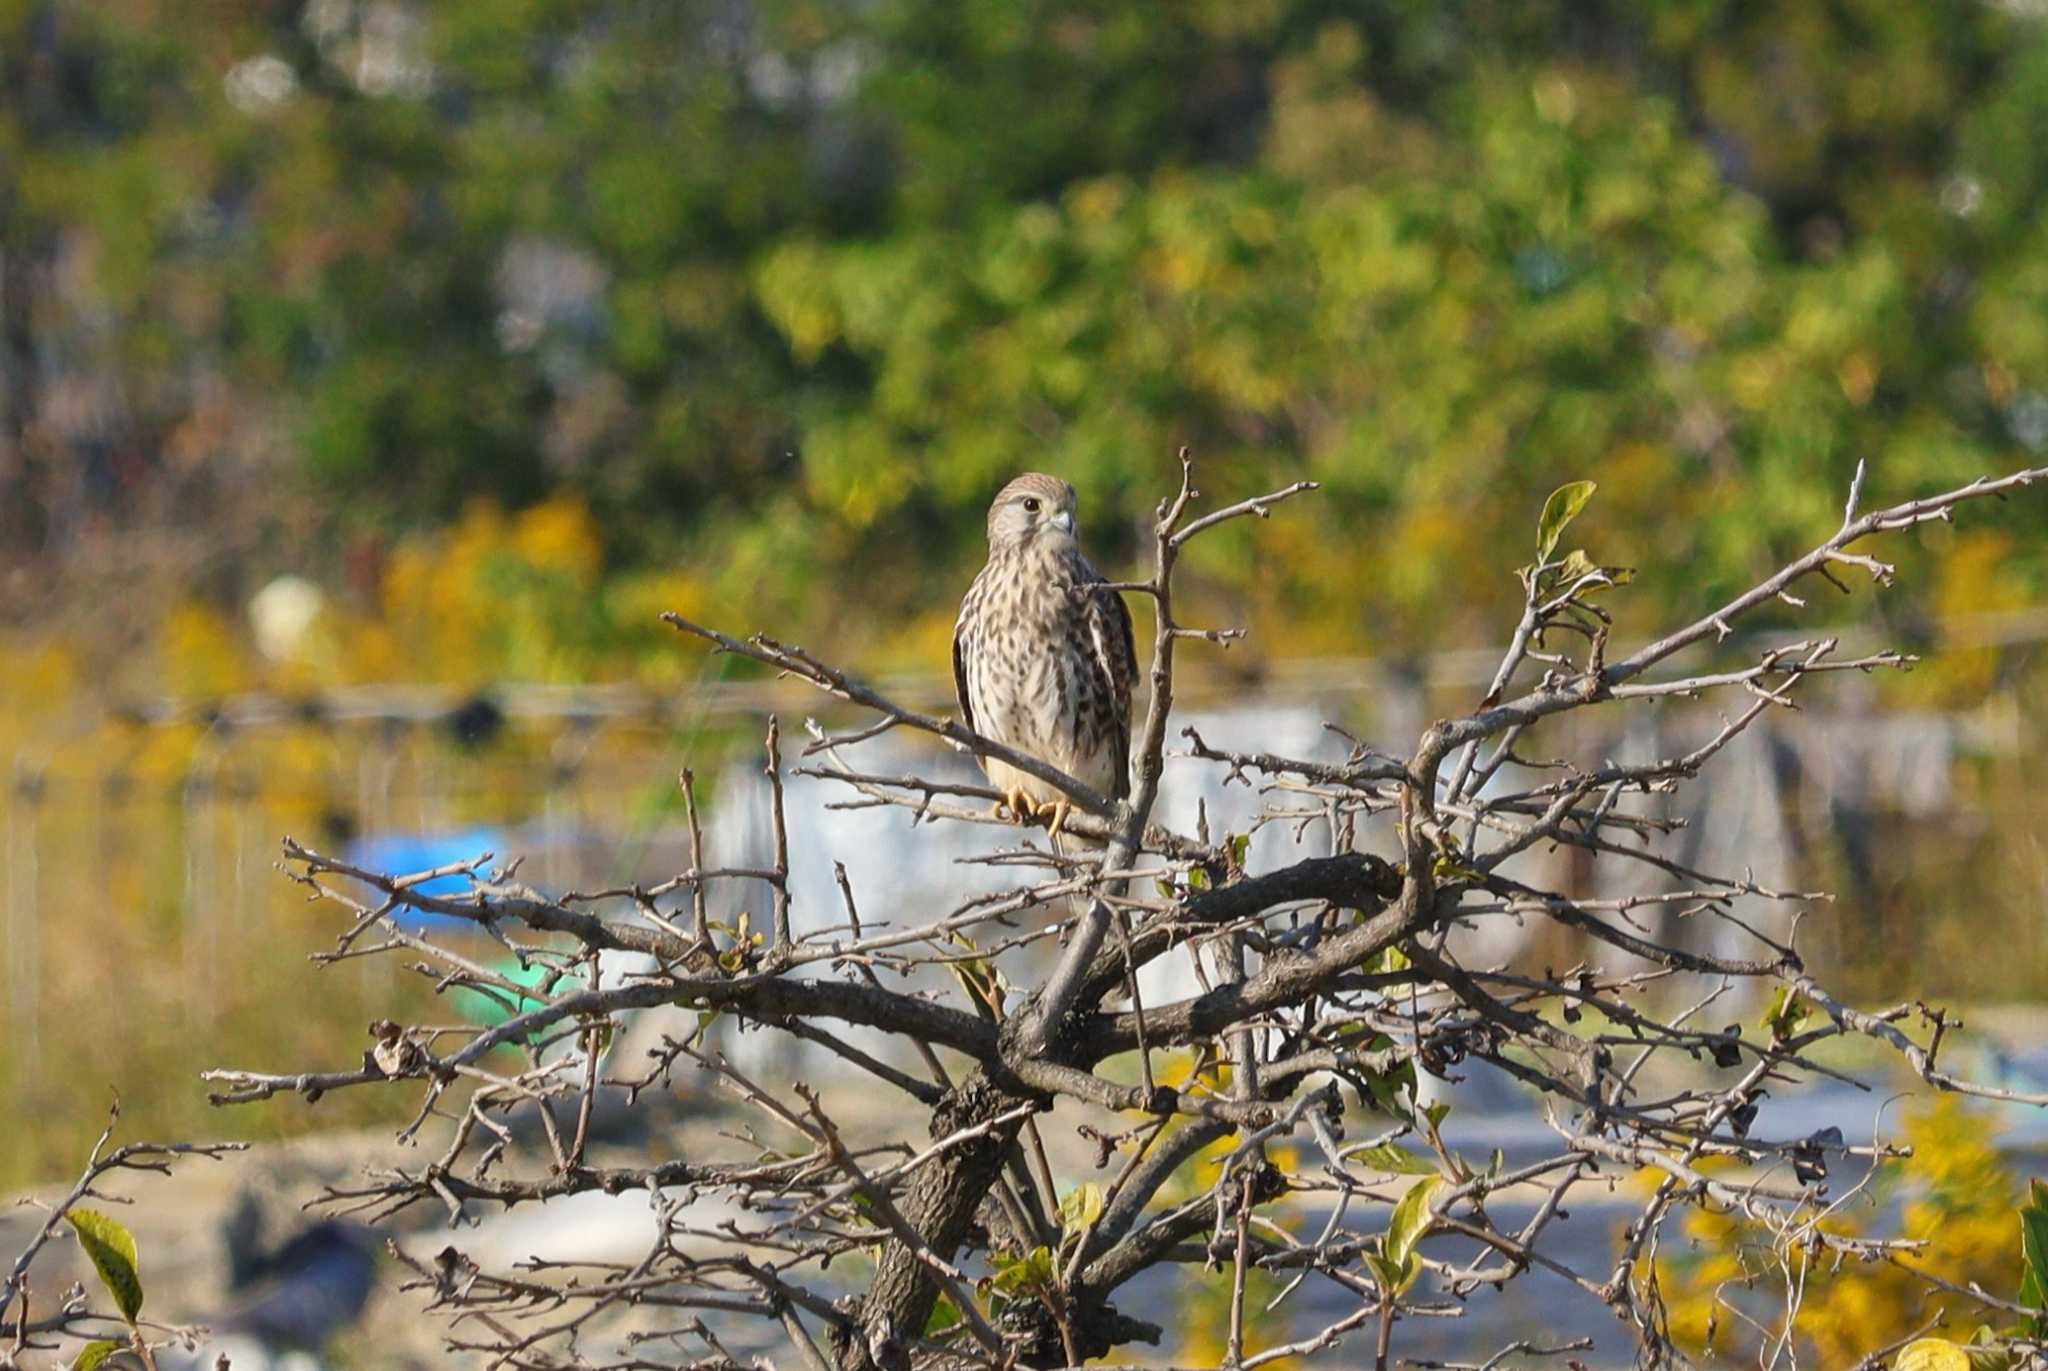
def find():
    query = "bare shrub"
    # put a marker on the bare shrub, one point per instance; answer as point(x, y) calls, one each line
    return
point(1337, 989)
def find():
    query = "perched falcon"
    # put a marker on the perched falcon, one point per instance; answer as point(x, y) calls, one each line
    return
point(1042, 654)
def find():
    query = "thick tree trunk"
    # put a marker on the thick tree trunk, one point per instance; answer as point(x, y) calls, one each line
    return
point(941, 1206)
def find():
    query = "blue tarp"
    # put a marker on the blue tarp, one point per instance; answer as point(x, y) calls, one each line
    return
point(404, 854)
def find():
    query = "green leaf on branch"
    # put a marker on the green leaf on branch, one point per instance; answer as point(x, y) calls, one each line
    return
point(1386, 1086)
point(1450, 863)
point(2034, 1256)
point(1788, 1010)
point(112, 1250)
point(1412, 1218)
point(94, 1353)
point(1080, 1208)
point(1390, 958)
point(705, 1019)
point(1031, 1274)
point(1987, 1351)
point(945, 1314)
point(1396, 1160)
point(985, 986)
point(1560, 509)
point(866, 1212)
point(1394, 1277)
point(1577, 566)
point(1447, 869)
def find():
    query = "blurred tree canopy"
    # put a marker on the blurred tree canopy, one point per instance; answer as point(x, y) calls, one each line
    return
point(780, 290)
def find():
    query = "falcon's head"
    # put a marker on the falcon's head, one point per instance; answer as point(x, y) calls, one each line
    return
point(1033, 509)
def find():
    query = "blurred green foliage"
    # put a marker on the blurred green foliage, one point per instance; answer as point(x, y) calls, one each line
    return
point(782, 291)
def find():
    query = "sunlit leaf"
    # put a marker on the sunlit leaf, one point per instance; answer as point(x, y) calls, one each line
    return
point(705, 1019)
point(1388, 959)
point(945, 1314)
point(1788, 1010)
point(1387, 1085)
point(1560, 509)
point(1987, 1352)
point(1393, 1276)
point(978, 976)
point(1398, 1160)
point(1411, 1218)
point(867, 1211)
point(1448, 868)
point(2034, 1254)
point(1932, 1354)
point(1577, 566)
point(112, 1250)
point(1080, 1207)
point(94, 1353)
point(1026, 1275)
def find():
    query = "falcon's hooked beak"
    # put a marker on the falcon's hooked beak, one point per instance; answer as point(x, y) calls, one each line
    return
point(1063, 521)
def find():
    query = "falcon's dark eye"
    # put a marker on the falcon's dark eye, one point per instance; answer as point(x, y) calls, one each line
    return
point(1031, 504)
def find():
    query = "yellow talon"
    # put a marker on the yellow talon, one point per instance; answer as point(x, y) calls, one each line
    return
point(1018, 804)
point(1058, 809)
